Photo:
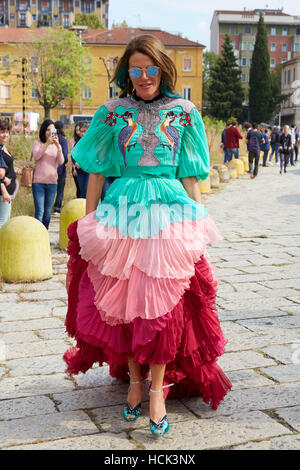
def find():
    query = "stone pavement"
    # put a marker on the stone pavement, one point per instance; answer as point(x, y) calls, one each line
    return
point(259, 306)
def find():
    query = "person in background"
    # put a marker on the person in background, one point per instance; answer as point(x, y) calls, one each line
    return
point(8, 178)
point(293, 138)
point(73, 142)
point(82, 176)
point(296, 148)
point(274, 140)
point(223, 141)
point(48, 155)
point(285, 148)
point(61, 169)
point(232, 136)
point(254, 139)
point(265, 147)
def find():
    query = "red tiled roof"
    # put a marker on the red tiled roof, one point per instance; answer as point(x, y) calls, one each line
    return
point(124, 35)
point(253, 12)
point(120, 36)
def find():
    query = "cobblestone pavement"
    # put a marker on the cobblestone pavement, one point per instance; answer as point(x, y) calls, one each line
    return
point(259, 306)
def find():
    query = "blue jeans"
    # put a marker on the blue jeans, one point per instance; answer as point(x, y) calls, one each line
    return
point(265, 156)
point(43, 196)
point(228, 153)
point(82, 180)
point(275, 148)
point(292, 157)
point(5, 210)
point(61, 181)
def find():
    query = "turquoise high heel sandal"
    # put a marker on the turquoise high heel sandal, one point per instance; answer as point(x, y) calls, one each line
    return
point(161, 428)
point(131, 414)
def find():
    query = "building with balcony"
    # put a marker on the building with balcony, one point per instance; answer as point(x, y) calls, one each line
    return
point(49, 13)
point(290, 84)
point(283, 35)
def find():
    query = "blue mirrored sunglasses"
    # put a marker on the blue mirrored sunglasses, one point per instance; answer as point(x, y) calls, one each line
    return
point(151, 71)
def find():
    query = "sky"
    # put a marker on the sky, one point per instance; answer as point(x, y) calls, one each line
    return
point(191, 18)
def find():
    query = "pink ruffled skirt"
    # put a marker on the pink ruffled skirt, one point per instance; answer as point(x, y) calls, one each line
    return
point(150, 299)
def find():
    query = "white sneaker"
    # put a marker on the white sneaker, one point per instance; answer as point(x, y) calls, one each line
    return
point(277, 163)
point(270, 164)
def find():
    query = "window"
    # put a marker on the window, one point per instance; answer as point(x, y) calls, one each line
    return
point(87, 92)
point(251, 46)
point(247, 29)
point(5, 61)
point(77, 4)
point(297, 31)
point(284, 47)
point(187, 65)
point(12, 17)
point(55, 3)
point(272, 63)
point(244, 77)
point(296, 47)
point(34, 93)
point(243, 46)
point(294, 74)
point(98, 4)
point(289, 76)
point(232, 29)
point(23, 5)
point(5, 92)
point(87, 7)
point(66, 21)
point(284, 31)
point(187, 93)
point(2, 5)
point(33, 17)
point(285, 76)
point(233, 45)
point(243, 62)
point(23, 19)
point(63, 118)
point(2, 19)
point(273, 46)
point(283, 61)
point(273, 31)
point(34, 61)
point(55, 17)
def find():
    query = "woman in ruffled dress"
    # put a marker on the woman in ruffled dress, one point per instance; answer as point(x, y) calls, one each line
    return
point(141, 293)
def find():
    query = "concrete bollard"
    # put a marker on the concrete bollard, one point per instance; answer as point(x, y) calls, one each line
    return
point(232, 173)
point(238, 165)
point(245, 160)
point(73, 210)
point(223, 172)
point(214, 178)
point(25, 254)
point(204, 185)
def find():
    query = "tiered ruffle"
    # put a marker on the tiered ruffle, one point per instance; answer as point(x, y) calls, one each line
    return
point(183, 330)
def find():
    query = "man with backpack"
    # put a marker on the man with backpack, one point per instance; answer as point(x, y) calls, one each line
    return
point(275, 138)
point(254, 140)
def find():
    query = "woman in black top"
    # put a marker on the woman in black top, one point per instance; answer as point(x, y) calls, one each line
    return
point(285, 148)
point(10, 179)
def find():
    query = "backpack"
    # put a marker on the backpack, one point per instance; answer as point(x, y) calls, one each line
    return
point(273, 138)
point(253, 141)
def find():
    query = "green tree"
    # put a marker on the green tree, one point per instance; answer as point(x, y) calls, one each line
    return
point(225, 92)
point(90, 20)
point(260, 83)
point(120, 25)
point(62, 67)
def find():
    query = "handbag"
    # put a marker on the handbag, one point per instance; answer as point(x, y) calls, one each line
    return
point(27, 175)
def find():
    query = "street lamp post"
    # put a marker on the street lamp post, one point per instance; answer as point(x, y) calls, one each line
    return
point(79, 30)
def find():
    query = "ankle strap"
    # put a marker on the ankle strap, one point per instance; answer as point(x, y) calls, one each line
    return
point(161, 390)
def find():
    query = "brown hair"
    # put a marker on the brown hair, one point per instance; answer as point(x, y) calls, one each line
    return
point(4, 125)
point(152, 47)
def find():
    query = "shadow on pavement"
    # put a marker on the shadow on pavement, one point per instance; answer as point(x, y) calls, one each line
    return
point(290, 199)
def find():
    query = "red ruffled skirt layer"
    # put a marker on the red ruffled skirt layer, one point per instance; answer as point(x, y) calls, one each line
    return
point(187, 339)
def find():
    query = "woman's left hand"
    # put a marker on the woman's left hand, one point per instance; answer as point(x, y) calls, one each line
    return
point(18, 171)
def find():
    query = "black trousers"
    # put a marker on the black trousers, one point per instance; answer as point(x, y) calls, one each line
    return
point(253, 156)
point(284, 160)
